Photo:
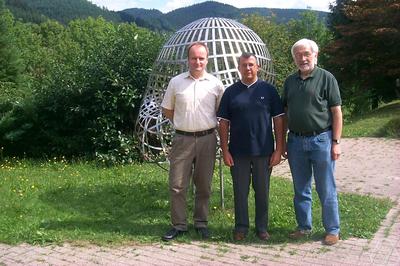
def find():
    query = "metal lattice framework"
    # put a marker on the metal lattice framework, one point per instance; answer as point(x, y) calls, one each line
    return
point(226, 40)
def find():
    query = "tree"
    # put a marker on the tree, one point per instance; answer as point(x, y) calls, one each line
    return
point(12, 90)
point(337, 16)
point(365, 54)
point(39, 11)
point(277, 40)
point(86, 79)
point(10, 63)
point(311, 27)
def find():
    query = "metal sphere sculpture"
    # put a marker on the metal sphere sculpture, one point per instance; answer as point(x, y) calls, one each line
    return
point(226, 39)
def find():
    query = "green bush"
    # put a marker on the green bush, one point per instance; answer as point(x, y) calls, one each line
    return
point(87, 92)
point(357, 101)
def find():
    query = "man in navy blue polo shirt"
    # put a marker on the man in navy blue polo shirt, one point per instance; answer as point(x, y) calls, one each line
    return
point(246, 113)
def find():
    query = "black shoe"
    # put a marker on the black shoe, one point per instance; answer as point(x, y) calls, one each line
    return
point(263, 236)
point(171, 234)
point(203, 232)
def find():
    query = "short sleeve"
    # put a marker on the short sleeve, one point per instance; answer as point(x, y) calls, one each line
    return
point(277, 106)
point(169, 97)
point(334, 98)
point(223, 109)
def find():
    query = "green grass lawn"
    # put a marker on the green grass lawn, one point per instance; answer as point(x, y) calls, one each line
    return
point(56, 201)
point(381, 122)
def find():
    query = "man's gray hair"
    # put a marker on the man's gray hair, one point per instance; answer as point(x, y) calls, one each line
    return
point(306, 43)
point(247, 55)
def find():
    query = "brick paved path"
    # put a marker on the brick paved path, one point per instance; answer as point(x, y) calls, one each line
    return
point(368, 166)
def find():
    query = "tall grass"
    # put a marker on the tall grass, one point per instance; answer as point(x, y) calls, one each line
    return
point(57, 201)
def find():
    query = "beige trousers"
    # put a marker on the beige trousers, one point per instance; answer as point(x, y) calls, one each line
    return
point(191, 157)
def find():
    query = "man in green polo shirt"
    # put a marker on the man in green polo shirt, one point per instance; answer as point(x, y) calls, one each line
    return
point(314, 118)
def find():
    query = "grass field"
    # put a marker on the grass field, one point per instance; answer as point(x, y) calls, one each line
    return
point(56, 201)
point(382, 122)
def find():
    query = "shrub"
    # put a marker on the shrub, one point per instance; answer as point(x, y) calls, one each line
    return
point(86, 97)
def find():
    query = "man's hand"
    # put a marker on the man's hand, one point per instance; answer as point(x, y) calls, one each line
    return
point(275, 158)
point(336, 151)
point(228, 160)
point(168, 114)
point(284, 153)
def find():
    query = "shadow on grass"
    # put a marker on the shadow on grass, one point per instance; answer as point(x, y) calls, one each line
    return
point(140, 209)
point(390, 129)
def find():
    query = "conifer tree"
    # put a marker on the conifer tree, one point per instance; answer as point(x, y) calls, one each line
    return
point(10, 63)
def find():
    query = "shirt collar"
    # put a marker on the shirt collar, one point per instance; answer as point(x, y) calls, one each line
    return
point(204, 77)
point(249, 85)
point(312, 74)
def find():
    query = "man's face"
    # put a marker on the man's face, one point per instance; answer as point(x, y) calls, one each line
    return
point(197, 59)
point(248, 69)
point(305, 59)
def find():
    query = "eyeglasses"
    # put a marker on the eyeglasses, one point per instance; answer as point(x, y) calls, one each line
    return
point(250, 65)
point(305, 54)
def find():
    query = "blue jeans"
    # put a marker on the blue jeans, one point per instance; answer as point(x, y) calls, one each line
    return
point(310, 156)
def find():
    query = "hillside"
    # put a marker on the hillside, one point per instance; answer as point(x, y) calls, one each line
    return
point(381, 122)
point(148, 18)
point(182, 16)
point(37, 11)
point(63, 11)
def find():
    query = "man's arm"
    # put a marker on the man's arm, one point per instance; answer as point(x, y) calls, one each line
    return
point(223, 130)
point(337, 125)
point(285, 130)
point(168, 114)
point(279, 139)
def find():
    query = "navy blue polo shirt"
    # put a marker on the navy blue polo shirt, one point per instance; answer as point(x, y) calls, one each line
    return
point(250, 111)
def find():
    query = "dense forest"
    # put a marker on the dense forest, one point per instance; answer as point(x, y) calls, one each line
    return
point(64, 11)
point(71, 86)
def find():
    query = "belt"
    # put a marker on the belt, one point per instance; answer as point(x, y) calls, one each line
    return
point(311, 133)
point(195, 134)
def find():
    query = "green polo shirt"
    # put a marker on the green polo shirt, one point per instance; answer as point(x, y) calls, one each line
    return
point(308, 101)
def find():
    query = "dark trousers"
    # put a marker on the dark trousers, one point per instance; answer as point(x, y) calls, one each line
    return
point(252, 169)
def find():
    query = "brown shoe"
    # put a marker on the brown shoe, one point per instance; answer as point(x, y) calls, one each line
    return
point(263, 236)
point(331, 239)
point(298, 234)
point(239, 236)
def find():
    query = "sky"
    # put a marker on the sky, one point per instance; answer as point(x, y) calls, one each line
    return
point(169, 5)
